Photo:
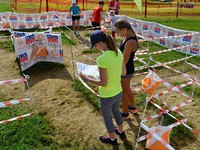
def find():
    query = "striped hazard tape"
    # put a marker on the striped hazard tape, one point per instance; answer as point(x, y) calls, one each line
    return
point(84, 55)
point(170, 62)
point(176, 88)
point(86, 85)
point(194, 66)
point(137, 90)
point(164, 111)
point(12, 102)
point(173, 61)
point(16, 118)
point(5, 37)
point(141, 67)
point(152, 117)
point(167, 37)
point(141, 73)
point(179, 72)
point(167, 50)
point(156, 136)
point(144, 137)
point(178, 36)
point(13, 81)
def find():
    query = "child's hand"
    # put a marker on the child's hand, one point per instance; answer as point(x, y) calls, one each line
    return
point(84, 77)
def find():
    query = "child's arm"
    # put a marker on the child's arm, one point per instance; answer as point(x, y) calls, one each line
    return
point(101, 82)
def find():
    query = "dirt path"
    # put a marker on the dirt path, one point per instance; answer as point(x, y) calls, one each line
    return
point(76, 121)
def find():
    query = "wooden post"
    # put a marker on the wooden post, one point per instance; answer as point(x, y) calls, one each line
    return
point(56, 5)
point(177, 9)
point(83, 5)
point(40, 10)
point(47, 5)
point(145, 9)
point(158, 8)
point(15, 6)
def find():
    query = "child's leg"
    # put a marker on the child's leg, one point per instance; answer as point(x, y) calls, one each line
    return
point(115, 109)
point(106, 110)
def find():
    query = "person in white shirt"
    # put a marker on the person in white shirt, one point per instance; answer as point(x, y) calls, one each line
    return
point(113, 19)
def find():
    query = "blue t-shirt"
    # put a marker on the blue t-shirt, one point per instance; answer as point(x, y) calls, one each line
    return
point(75, 10)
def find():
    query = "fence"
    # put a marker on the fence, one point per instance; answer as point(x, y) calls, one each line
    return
point(154, 9)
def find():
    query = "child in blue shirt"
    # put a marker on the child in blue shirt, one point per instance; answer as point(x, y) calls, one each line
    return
point(75, 13)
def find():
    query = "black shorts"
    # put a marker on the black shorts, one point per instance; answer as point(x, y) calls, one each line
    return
point(96, 26)
point(75, 18)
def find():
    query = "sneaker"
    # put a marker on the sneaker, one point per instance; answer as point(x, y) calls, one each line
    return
point(125, 116)
point(121, 135)
point(132, 109)
point(107, 140)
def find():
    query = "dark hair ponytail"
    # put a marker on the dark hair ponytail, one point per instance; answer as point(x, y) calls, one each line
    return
point(110, 43)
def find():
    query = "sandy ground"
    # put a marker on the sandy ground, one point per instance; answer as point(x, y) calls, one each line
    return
point(75, 120)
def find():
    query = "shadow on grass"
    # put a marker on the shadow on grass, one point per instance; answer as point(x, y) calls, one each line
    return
point(115, 147)
point(46, 70)
point(128, 145)
point(83, 40)
point(91, 98)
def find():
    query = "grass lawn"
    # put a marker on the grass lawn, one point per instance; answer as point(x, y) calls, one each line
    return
point(31, 133)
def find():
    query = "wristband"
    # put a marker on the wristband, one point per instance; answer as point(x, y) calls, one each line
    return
point(88, 80)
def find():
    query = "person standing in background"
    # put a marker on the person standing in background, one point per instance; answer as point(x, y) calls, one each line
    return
point(75, 13)
point(111, 5)
point(116, 7)
point(97, 15)
point(113, 19)
point(111, 67)
point(128, 47)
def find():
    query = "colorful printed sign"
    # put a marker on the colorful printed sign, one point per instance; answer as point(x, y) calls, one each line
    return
point(31, 48)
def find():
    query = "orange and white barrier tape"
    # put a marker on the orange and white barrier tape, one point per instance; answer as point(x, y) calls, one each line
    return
point(156, 136)
point(144, 50)
point(5, 37)
point(139, 146)
point(171, 88)
point(194, 66)
point(177, 123)
point(176, 88)
point(141, 67)
point(13, 81)
point(16, 118)
point(180, 92)
point(167, 50)
point(173, 61)
point(141, 73)
point(140, 59)
point(171, 49)
point(152, 117)
point(141, 53)
point(142, 40)
point(167, 37)
point(170, 62)
point(84, 55)
point(179, 72)
point(12, 102)
point(177, 36)
point(144, 137)
point(163, 110)
point(86, 85)
point(137, 90)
